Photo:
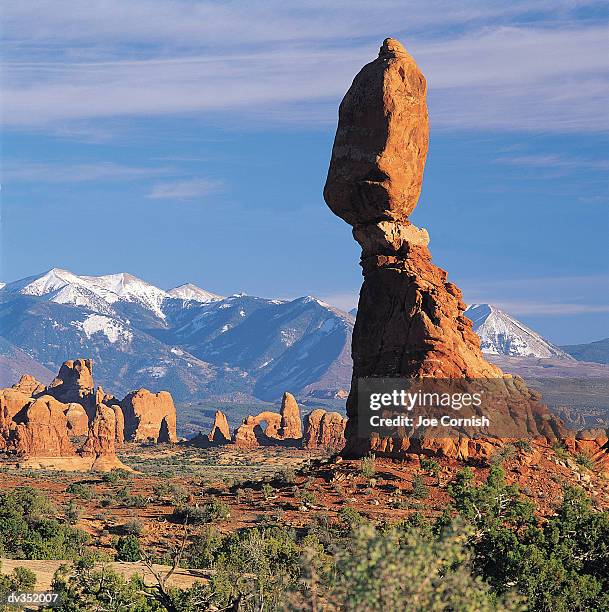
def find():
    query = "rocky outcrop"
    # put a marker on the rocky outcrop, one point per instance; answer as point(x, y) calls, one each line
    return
point(291, 423)
point(74, 384)
point(100, 444)
point(324, 429)
point(29, 386)
point(259, 430)
point(13, 401)
point(220, 431)
point(77, 420)
point(149, 417)
point(119, 434)
point(42, 430)
point(410, 321)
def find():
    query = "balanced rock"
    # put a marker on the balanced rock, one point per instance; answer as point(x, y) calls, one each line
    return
point(220, 431)
point(324, 430)
point(42, 430)
point(381, 142)
point(149, 417)
point(410, 319)
point(291, 424)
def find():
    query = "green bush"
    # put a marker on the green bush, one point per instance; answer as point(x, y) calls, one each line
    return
point(419, 488)
point(128, 548)
point(430, 465)
point(80, 490)
point(29, 528)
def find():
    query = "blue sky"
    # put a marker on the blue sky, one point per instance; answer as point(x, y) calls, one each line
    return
point(188, 141)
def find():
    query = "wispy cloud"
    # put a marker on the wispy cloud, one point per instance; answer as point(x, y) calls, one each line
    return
point(548, 296)
point(184, 190)
point(75, 173)
point(550, 309)
point(269, 62)
point(555, 161)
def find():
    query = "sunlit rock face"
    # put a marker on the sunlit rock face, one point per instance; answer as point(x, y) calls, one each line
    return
point(410, 321)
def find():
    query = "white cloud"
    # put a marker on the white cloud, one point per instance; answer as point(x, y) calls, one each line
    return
point(555, 161)
point(270, 62)
point(184, 190)
point(75, 173)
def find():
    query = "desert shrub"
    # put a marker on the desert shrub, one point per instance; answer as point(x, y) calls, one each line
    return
point(128, 548)
point(80, 490)
point(523, 445)
point(584, 460)
point(203, 548)
point(560, 450)
point(198, 515)
point(172, 492)
point(287, 476)
point(407, 570)
point(256, 566)
point(136, 501)
point(267, 490)
point(350, 516)
point(501, 455)
point(133, 527)
point(307, 497)
point(92, 588)
point(558, 565)
point(431, 465)
point(419, 488)
point(20, 579)
point(72, 513)
point(368, 466)
point(30, 529)
point(115, 476)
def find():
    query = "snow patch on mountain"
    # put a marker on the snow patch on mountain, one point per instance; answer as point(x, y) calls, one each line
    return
point(111, 328)
point(501, 334)
point(193, 293)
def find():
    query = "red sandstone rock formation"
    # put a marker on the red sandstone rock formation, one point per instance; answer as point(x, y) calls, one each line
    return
point(14, 401)
point(149, 416)
point(29, 386)
point(324, 430)
point(42, 430)
point(77, 420)
point(410, 321)
point(291, 424)
point(119, 436)
point(39, 428)
point(251, 434)
point(220, 431)
point(74, 383)
point(101, 441)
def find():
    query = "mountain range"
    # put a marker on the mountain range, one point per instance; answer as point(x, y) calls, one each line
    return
point(198, 344)
point(188, 340)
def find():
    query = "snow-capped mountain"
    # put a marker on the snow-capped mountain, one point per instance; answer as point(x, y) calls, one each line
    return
point(501, 334)
point(96, 293)
point(192, 342)
point(194, 293)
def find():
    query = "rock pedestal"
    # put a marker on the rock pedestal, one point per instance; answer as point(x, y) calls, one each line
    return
point(410, 321)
